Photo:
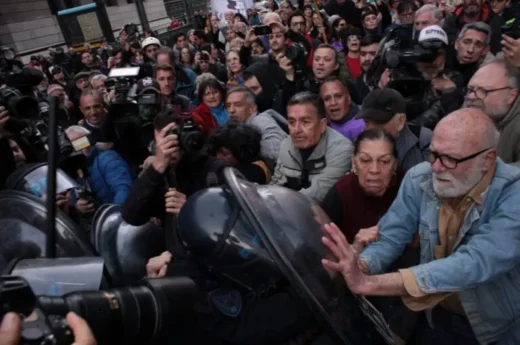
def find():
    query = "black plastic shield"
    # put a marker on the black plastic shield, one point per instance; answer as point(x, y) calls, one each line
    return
point(290, 226)
point(125, 248)
point(22, 230)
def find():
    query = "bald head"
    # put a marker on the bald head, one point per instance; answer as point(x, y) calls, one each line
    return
point(463, 150)
point(470, 125)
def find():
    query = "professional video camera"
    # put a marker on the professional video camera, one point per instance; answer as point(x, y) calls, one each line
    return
point(130, 315)
point(126, 102)
point(400, 54)
point(511, 29)
point(297, 52)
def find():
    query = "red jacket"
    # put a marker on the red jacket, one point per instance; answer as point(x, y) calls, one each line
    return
point(203, 117)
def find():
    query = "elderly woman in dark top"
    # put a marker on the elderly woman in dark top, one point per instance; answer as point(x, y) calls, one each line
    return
point(362, 197)
point(359, 200)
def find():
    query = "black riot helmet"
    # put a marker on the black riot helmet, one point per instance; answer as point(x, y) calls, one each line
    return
point(259, 235)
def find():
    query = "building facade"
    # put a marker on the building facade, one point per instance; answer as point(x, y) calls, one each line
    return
point(30, 27)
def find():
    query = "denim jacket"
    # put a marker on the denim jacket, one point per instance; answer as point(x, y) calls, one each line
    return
point(485, 264)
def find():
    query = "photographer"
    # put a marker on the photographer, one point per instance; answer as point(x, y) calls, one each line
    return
point(175, 173)
point(325, 64)
point(205, 63)
point(442, 88)
point(277, 45)
point(11, 329)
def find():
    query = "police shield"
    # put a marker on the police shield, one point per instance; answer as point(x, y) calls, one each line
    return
point(125, 248)
point(23, 219)
point(290, 227)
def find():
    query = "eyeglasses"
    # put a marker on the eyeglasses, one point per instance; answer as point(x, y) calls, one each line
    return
point(353, 37)
point(449, 162)
point(482, 93)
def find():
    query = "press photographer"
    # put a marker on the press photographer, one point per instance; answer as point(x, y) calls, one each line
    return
point(179, 168)
point(418, 72)
point(130, 115)
point(11, 330)
point(27, 116)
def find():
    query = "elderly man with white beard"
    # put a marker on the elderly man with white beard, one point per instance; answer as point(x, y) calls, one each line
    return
point(494, 90)
point(463, 203)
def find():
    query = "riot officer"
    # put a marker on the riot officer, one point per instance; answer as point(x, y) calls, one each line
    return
point(255, 253)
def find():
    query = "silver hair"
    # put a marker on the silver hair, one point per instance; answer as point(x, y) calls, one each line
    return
point(250, 96)
point(204, 77)
point(97, 77)
point(478, 26)
point(437, 14)
point(491, 135)
point(511, 72)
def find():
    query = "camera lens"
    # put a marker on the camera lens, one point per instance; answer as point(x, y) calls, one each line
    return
point(131, 315)
point(192, 141)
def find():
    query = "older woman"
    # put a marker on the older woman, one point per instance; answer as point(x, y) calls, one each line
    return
point(235, 69)
point(362, 197)
point(211, 112)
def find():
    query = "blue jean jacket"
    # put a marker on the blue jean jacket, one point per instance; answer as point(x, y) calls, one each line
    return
point(485, 265)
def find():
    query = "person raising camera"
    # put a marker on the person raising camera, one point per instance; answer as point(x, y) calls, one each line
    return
point(177, 170)
point(442, 91)
point(11, 330)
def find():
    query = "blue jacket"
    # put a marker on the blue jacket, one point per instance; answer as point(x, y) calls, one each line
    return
point(485, 265)
point(109, 176)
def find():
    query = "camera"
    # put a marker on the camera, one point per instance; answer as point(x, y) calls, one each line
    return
point(17, 104)
point(129, 315)
point(297, 52)
point(126, 102)
point(511, 29)
point(191, 139)
point(400, 54)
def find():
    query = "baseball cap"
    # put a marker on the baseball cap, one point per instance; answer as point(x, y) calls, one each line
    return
point(148, 84)
point(381, 105)
point(81, 75)
point(433, 33)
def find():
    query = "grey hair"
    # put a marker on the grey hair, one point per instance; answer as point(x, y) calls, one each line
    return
point(478, 26)
point(511, 72)
point(491, 135)
point(203, 77)
point(250, 96)
point(437, 14)
point(97, 77)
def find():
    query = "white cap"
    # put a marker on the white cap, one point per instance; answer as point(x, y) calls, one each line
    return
point(433, 33)
point(149, 41)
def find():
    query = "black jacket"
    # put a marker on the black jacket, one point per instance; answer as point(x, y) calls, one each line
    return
point(146, 199)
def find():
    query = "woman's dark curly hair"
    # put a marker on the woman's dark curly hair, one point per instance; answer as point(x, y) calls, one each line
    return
point(242, 140)
point(211, 84)
point(346, 32)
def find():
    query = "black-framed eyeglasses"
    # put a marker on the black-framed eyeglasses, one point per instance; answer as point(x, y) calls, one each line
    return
point(481, 92)
point(449, 162)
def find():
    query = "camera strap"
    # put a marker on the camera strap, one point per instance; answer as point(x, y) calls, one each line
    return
point(173, 242)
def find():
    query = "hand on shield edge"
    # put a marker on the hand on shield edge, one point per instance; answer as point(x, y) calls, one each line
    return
point(347, 257)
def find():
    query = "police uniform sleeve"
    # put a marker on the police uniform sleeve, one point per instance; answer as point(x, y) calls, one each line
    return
point(242, 320)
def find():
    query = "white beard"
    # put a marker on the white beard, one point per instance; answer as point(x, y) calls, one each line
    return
point(458, 188)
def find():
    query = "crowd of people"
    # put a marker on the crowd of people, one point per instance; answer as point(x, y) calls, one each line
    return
point(414, 157)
